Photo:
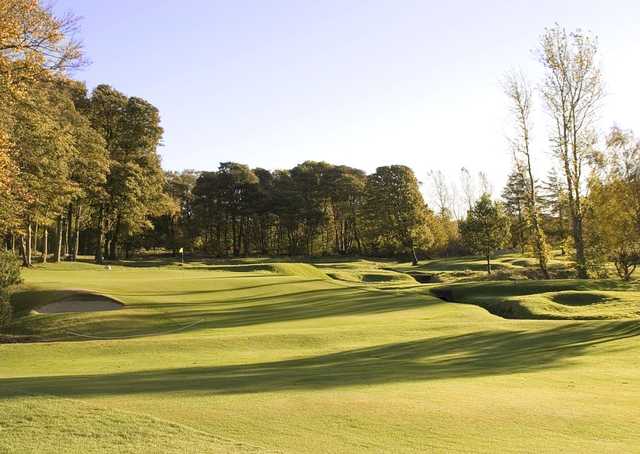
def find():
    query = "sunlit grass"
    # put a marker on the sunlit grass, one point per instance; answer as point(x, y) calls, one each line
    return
point(247, 356)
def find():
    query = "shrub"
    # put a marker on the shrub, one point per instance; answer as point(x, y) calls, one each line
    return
point(9, 270)
point(9, 275)
point(5, 313)
point(505, 275)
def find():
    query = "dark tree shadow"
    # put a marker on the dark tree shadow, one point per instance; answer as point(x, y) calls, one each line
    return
point(236, 310)
point(470, 355)
point(293, 306)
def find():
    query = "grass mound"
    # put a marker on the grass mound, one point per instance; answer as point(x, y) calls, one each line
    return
point(297, 269)
point(565, 299)
point(377, 277)
point(286, 269)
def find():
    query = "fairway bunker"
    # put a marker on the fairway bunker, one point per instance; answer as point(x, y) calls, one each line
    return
point(85, 302)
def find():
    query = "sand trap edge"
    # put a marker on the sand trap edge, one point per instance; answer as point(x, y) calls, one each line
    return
point(84, 302)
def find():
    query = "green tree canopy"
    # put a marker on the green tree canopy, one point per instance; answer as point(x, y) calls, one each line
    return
point(486, 228)
point(395, 212)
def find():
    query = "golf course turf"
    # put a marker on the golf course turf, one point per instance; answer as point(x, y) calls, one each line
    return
point(260, 356)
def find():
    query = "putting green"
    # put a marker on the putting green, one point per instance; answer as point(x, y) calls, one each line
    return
point(262, 359)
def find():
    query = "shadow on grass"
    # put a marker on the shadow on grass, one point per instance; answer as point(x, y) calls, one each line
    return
point(236, 310)
point(304, 305)
point(469, 355)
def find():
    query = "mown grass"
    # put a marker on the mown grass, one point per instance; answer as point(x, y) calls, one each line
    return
point(239, 357)
point(53, 424)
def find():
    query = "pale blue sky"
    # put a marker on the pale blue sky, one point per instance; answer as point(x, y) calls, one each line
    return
point(362, 83)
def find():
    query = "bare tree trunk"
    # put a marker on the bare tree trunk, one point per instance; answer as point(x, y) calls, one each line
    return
point(488, 264)
point(357, 238)
point(226, 236)
point(575, 211)
point(76, 234)
point(67, 230)
point(45, 245)
point(562, 231)
point(578, 239)
point(34, 245)
point(235, 249)
point(59, 236)
point(23, 252)
point(100, 239)
point(113, 244)
point(29, 249)
point(520, 228)
point(414, 257)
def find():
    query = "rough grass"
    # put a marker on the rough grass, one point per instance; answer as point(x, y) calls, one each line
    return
point(266, 360)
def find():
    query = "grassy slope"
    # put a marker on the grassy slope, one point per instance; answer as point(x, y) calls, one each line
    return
point(303, 364)
point(474, 268)
point(364, 271)
point(555, 299)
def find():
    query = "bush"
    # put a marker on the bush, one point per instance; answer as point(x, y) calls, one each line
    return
point(9, 275)
point(505, 275)
point(5, 314)
point(9, 270)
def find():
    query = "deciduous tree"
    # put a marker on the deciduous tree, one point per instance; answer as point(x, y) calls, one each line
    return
point(572, 91)
point(395, 212)
point(520, 95)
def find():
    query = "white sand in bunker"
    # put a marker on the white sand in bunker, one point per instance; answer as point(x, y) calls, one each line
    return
point(81, 303)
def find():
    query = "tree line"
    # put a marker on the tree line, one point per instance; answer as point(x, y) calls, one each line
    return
point(315, 208)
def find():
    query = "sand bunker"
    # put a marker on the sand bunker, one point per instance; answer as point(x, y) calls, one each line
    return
point(81, 303)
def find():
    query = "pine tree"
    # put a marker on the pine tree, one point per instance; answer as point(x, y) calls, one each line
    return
point(486, 228)
point(514, 196)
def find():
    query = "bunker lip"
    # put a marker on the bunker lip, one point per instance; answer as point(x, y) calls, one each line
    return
point(86, 302)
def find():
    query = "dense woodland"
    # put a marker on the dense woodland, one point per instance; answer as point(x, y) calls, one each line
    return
point(80, 174)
